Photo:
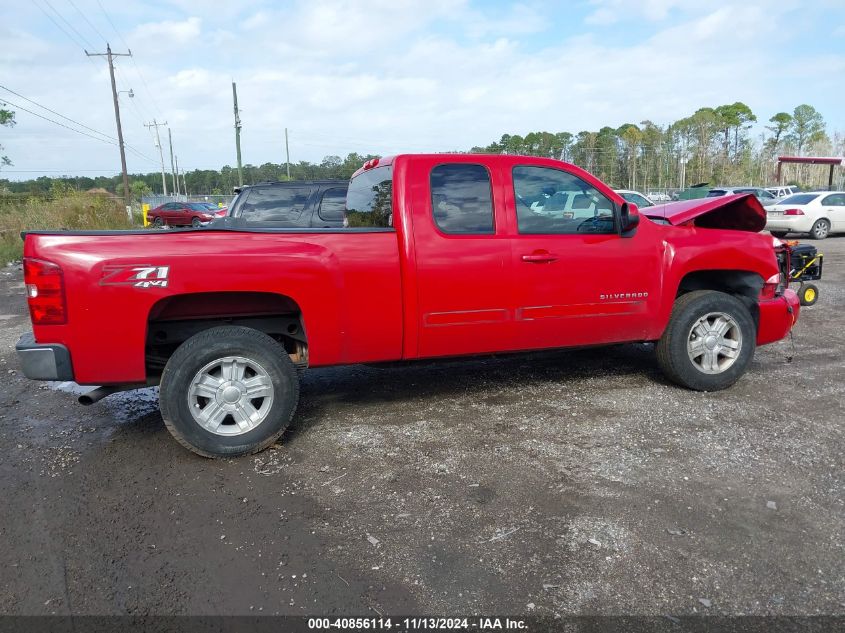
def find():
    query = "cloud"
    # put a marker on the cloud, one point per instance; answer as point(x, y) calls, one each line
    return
point(170, 33)
point(400, 75)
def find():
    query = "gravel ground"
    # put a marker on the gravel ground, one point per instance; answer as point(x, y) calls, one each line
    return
point(554, 484)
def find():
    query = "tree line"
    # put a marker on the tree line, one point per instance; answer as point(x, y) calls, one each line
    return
point(713, 145)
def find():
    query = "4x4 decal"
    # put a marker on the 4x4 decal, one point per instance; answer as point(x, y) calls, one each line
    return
point(137, 275)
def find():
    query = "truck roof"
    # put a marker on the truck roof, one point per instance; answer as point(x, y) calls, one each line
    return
point(464, 158)
point(292, 183)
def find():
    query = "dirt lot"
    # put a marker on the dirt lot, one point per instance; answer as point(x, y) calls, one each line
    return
point(565, 483)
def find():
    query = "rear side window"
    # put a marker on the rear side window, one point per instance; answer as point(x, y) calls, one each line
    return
point(369, 199)
point(280, 205)
point(461, 199)
point(835, 200)
point(332, 205)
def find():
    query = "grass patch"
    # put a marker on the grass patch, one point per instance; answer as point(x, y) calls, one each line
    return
point(72, 211)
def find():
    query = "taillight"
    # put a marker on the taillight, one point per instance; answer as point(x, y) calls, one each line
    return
point(45, 292)
point(793, 212)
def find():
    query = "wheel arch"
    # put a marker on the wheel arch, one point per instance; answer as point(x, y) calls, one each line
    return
point(741, 283)
point(174, 319)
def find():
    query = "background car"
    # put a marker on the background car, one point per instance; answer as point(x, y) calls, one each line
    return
point(782, 192)
point(290, 204)
point(765, 197)
point(183, 214)
point(220, 210)
point(658, 196)
point(818, 213)
point(636, 197)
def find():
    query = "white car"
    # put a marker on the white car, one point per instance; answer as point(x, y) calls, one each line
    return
point(636, 197)
point(659, 196)
point(818, 213)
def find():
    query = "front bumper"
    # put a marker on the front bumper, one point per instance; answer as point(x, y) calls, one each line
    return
point(43, 361)
point(777, 316)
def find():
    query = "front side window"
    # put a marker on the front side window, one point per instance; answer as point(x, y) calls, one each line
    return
point(461, 199)
point(280, 205)
point(551, 201)
point(369, 200)
point(333, 205)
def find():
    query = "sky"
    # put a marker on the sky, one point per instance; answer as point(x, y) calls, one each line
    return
point(390, 76)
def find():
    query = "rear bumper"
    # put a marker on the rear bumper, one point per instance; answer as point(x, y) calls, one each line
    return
point(43, 361)
point(794, 223)
point(777, 316)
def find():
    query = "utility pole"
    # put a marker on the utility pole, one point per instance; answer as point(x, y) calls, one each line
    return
point(172, 168)
point(183, 178)
point(238, 134)
point(287, 153)
point(157, 125)
point(109, 55)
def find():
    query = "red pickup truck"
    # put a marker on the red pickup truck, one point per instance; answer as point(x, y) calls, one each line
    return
point(438, 255)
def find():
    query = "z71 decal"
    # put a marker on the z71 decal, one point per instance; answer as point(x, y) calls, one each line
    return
point(139, 276)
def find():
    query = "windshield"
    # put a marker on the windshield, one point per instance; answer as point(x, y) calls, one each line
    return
point(715, 193)
point(639, 200)
point(369, 200)
point(801, 198)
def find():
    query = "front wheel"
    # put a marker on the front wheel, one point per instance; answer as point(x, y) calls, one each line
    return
point(820, 230)
point(158, 222)
point(228, 391)
point(709, 342)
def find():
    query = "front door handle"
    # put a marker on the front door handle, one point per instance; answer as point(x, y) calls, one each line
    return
point(539, 257)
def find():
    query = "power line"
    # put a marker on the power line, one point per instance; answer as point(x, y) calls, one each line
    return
point(108, 139)
point(134, 63)
point(72, 28)
point(59, 26)
point(84, 17)
point(67, 127)
point(58, 114)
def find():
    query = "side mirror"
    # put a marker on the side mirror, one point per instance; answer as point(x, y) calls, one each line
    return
point(629, 218)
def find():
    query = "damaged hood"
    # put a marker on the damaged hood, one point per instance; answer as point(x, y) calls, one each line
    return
point(740, 212)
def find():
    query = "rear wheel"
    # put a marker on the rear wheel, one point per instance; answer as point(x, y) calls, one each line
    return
point(808, 294)
point(195, 222)
point(820, 229)
point(228, 391)
point(779, 234)
point(709, 342)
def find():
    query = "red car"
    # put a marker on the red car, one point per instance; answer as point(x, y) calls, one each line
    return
point(437, 255)
point(184, 214)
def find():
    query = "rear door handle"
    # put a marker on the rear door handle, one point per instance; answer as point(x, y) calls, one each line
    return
point(539, 258)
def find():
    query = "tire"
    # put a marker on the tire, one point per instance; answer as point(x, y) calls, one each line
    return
point(195, 222)
point(158, 223)
point(779, 234)
point(808, 294)
point(212, 418)
point(675, 349)
point(820, 230)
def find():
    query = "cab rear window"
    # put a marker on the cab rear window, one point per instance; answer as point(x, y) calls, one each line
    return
point(369, 199)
